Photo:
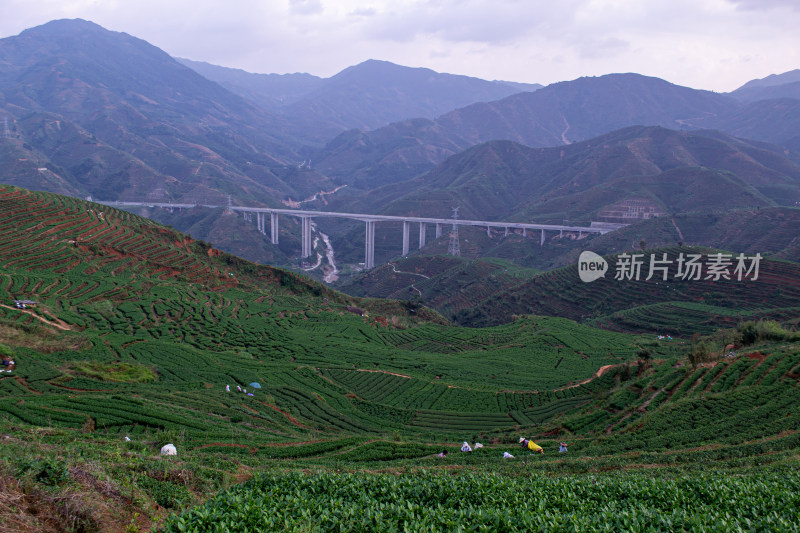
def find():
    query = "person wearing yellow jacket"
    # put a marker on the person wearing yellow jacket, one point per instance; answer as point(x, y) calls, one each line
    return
point(529, 444)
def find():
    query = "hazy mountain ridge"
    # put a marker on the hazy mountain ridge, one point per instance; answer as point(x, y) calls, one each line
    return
point(270, 91)
point(558, 114)
point(773, 120)
point(755, 94)
point(364, 96)
point(187, 136)
point(497, 179)
point(772, 80)
point(375, 93)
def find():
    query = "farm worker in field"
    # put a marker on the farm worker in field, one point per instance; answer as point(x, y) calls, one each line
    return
point(478, 445)
point(529, 444)
point(562, 447)
point(227, 388)
point(465, 447)
point(238, 388)
point(443, 453)
point(507, 455)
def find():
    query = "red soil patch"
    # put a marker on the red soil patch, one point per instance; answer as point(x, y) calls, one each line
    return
point(289, 417)
point(127, 344)
point(25, 385)
point(285, 444)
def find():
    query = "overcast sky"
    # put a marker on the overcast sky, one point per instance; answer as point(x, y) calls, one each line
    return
point(705, 44)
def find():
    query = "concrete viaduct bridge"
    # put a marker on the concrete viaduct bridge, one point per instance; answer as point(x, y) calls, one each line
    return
point(370, 220)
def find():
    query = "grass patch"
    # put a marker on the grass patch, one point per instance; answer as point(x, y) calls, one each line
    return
point(40, 338)
point(116, 372)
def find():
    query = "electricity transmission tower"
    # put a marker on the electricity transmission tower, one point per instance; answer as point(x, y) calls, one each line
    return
point(453, 248)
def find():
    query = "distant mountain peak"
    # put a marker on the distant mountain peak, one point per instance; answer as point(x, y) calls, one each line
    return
point(380, 71)
point(69, 28)
point(791, 76)
point(66, 25)
point(75, 37)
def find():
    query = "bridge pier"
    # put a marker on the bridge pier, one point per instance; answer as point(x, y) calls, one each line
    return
point(406, 232)
point(489, 231)
point(422, 234)
point(369, 252)
point(260, 223)
point(506, 235)
point(306, 236)
point(541, 242)
point(524, 232)
point(273, 227)
point(438, 230)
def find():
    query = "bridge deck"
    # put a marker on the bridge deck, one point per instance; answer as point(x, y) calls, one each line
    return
point(368, 217)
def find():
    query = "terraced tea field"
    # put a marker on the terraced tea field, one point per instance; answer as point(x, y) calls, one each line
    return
point(321, 368)
point(136, 336)
point(676, 306)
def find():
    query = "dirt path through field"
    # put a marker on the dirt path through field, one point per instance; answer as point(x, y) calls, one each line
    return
point(59, 324)
point(600, 371)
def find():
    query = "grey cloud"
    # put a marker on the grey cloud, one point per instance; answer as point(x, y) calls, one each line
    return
point(498, 22)
point(604, 48)
point(764, 5)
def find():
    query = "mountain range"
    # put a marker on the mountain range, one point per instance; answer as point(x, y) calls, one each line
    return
point(90, 112)
point(365, 96)
point(556, 115)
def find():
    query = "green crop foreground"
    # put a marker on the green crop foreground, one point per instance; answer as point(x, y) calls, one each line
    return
point(490, 502)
